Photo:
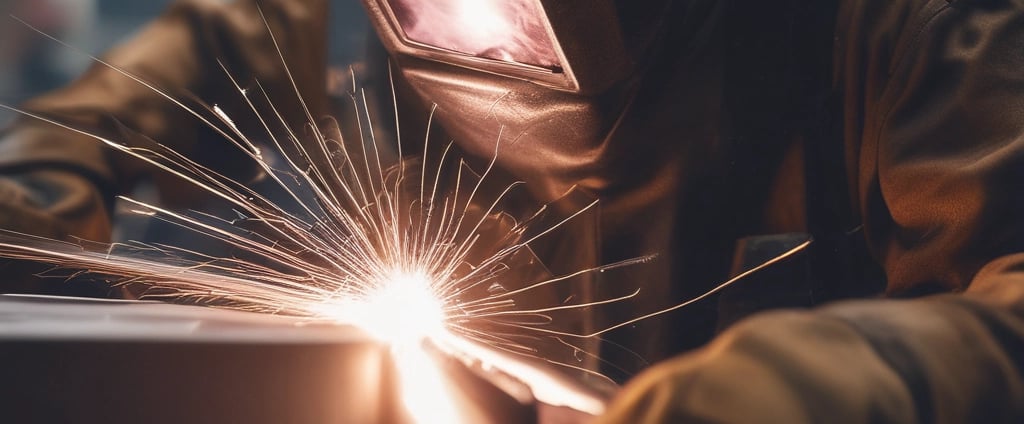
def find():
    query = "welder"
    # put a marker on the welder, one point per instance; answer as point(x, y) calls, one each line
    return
point(889, 132)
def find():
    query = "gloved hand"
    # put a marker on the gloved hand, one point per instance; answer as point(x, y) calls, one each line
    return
point(53, 203)
point(941, 359)
point(49, 203)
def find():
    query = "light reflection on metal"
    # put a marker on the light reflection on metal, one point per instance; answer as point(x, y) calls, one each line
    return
point(510, 30)
point(424, 394)
point(546, 386)
point(402, 311)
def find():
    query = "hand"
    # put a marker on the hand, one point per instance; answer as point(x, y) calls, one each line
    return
point(788, 367)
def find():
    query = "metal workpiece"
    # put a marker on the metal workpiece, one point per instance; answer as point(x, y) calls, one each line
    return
point(101, 361)
point(495, 386)
point(115, 361)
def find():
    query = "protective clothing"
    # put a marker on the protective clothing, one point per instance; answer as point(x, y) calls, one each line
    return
point(890, 131)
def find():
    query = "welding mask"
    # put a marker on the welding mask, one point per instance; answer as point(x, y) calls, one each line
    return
point(552, 76)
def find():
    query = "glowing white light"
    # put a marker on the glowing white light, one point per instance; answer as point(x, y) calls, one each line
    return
point(403, 311)
point(484, 19)
point(426, 397)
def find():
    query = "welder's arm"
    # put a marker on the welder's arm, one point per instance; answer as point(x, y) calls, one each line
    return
point(934, 121)
point(58, 183)
point(52, 203)
point(950, 358)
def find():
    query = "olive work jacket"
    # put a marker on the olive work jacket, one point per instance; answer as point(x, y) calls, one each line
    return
point(891, 131)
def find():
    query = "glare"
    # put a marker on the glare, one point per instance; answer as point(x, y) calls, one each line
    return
point(485, 20)
point(424, 394)
point(403, 310)
point(544, 385)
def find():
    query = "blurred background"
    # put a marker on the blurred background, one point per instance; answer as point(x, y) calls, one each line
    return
point(31, 64)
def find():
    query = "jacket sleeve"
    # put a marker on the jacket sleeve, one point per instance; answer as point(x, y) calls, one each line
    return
point(59, 183)
point(934, 126)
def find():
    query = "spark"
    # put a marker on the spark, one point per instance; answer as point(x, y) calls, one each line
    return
point(407, 248)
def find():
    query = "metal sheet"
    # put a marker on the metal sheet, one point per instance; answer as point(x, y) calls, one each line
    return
point(80, 360)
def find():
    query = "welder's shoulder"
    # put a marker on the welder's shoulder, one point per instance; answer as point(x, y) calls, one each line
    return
point(885, 26)
point(901, 20)
point(880, 35)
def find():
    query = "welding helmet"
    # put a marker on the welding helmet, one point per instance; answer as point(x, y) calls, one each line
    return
point(553, 76)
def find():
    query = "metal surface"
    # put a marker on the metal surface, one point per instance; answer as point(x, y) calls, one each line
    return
point(79, 360)
point(108, 361)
